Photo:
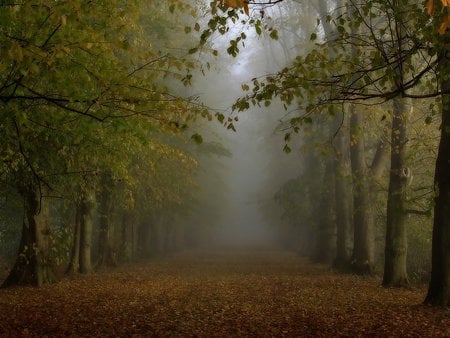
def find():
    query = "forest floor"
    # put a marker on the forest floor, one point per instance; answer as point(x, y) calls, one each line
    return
point(218, 294)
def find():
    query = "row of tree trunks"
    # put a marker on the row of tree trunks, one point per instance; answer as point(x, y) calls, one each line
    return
point(33, 265)
point(362, 259)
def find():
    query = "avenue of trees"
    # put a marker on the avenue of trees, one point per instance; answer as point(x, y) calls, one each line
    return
point(371, 55)
point(100, 164)
point(97, 161)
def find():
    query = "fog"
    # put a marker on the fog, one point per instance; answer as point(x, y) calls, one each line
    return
point(257, 166)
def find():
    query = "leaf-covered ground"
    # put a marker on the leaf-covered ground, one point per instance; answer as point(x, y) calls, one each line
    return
point(219, 294)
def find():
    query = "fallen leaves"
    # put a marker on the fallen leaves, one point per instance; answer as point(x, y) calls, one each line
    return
point(218, 294)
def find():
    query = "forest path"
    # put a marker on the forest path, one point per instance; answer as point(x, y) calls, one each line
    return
point(206, 294)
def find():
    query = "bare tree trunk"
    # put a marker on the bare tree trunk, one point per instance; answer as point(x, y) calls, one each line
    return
point(145, 238)
point(396, 235)
point(342, 196)
point(362, 260)
point(24, 269)
point(325, 243)
point(74, 264)
point(127, 236)
point(135, 239)
point(156, 236)
point(85, 236)
point(439, 287)
point(107, 255)
point(32, 266)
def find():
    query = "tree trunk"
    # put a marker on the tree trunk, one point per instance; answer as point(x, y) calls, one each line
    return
point(156, 238)
point(32, 266)
point(74, 264)
point(362, 261)
point(439, 287)
point(144, 238)
point(324, 250)
point(85, 237)
point(107, 255)
point(396, 235)
point(342, 198)
point(135, 239)
point(127, 236)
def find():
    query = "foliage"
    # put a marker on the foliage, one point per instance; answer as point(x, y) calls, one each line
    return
point(69, 66)
point(87, 91)
point(361, 62)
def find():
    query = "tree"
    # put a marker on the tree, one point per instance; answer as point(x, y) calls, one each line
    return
point(376, 73)
point(395, 273)
point(439, 287)
point(71, 76)
point(342, 193)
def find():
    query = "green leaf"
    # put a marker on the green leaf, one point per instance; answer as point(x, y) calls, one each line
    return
point(258, 29)
point(231, 126)
point(220, 117)
point(274, 34)
point(197, 138)
point(287, 149)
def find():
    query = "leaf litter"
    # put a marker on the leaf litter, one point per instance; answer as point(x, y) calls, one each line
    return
point(220, 294)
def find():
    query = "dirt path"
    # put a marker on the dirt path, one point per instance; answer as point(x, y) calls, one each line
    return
point(217, 294)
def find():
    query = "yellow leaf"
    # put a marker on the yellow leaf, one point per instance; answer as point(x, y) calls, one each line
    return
point(238, 4)
point(444, 25)
point(246, 8)
point(430, 7)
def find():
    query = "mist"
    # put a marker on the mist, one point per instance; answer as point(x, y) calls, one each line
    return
point(225, 168)
point(257, 165)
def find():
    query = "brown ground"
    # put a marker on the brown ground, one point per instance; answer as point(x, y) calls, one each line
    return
point(219, 295)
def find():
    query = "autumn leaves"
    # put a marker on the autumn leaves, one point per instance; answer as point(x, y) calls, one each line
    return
point(431, 9)
point(236, 4)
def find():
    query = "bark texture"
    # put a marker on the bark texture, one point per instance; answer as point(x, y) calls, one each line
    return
point(439, 287)
point(107, 254)
point(395, 273)
point(74, 264)
point(325, 243)
point(86, 237)
point(127, 236)
point(342, 196)
point(362, 261)
point(32, 266)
